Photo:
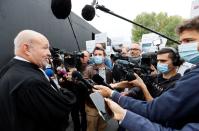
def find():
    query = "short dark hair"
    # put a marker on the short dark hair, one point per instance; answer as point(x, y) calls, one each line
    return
point(190, 24)
point(173, 54)
point(98, 48)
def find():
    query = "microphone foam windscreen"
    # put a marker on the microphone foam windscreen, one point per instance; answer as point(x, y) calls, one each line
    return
point(61, 8)
point(88, 12)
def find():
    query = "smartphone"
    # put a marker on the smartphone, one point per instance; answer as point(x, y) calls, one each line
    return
point(101, 106)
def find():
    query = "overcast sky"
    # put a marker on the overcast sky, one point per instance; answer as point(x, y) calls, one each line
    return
point(120, 29)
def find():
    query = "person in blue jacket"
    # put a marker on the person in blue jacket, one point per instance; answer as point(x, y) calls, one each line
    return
point(140, 123)
point(178, 106)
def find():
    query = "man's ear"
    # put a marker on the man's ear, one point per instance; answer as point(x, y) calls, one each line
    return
point(26, 49)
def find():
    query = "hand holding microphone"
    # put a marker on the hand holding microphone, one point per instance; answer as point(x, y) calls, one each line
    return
point(100, 81)
point(76, 75)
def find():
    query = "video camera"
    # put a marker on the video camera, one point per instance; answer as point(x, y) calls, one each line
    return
point(67, 58)
point(73, 59)
point(124, 70)
point(119, 56)
point(125, 67)
point(57, 56)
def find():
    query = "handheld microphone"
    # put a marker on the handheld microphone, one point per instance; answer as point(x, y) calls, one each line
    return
point(88, 12)
point(61, 8)
point(99, 80)
point(78, 76)
point(49, 72)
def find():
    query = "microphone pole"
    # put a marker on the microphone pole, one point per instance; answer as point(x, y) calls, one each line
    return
point(106, 10)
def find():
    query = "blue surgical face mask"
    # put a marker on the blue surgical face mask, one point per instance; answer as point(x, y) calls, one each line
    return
point(189, 52)
point(162, 68)
point(98, 60)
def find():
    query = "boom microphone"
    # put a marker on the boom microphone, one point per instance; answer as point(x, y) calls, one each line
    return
point(99, 80)
point(61, 8)
point(78, 76)
point(88, 12)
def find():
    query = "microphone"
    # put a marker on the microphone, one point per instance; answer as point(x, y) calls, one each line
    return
point(61, 8)
point(99, 80)
point(76, 75)
point(88, 12)
point(49, 72)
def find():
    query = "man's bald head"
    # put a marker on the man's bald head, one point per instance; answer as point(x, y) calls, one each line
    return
point(32, 46)
point(86, 57)
point(26, 36)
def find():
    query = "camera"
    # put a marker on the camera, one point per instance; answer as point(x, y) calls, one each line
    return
point(67, 58)
point(73, 59)
point(118, 55)
point(124, 69)
point(57, 56)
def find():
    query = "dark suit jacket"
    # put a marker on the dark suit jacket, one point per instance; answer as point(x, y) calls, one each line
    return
point(28, 102)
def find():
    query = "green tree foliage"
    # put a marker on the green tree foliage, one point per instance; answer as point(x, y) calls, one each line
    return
point(161, 23)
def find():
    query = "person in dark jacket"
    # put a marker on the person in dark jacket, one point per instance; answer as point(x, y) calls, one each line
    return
point(29, 100)
point(168, 62)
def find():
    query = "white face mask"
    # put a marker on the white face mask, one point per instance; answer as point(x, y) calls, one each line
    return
point(189, 52)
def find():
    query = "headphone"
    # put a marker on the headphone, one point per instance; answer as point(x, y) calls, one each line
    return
point(176, 60)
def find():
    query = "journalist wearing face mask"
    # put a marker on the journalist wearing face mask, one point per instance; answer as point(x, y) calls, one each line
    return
point(98, 60)
point(189, 38)
point(94, 120)
point(189, 52)
point(168, 61)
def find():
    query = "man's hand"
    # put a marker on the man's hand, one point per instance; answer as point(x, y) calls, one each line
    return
point(138, 82)
point(103, 90)
point(114, 85)
point(121, 85)
point(154, 71)
point(118, 112)
point(124, 93)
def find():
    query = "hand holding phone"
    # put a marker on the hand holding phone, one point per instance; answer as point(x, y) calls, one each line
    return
point(101, 106)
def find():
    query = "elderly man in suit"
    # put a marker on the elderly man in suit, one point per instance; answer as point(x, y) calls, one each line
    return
point(29, 102)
